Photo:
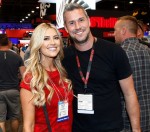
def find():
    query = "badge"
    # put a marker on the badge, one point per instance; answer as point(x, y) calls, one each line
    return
point(62, 111)
point(85, 104)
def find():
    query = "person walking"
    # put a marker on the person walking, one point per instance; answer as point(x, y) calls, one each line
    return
point(10, 64)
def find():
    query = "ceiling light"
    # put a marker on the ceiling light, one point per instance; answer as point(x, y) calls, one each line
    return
point(130, 2)
point(116, 6)
point(32, 11)
point(29, 14)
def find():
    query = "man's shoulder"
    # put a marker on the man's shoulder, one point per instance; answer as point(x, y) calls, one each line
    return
point(68, 51)
point(104, 41)
point(14, 55)
point(107, 45)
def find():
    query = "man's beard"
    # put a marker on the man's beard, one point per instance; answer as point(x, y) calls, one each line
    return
point(80, 42)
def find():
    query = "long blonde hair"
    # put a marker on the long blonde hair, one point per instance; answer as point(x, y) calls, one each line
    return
point(39, 75)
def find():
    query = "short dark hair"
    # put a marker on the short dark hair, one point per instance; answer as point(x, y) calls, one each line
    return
point(4, 41)
point(71, 7)
point(131, 23)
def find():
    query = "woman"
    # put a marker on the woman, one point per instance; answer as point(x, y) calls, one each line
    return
point(45, 82)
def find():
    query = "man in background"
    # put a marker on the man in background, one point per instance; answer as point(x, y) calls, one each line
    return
point(139, 58)
point(10, 64)
point(140, 33)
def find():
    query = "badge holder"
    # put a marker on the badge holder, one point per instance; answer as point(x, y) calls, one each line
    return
point(85, 104)
point(62, 111)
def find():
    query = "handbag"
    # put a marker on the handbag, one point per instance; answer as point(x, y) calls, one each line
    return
point(47, 119)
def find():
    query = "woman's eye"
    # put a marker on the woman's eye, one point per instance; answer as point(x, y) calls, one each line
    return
point(46, 38)
point(56, 38)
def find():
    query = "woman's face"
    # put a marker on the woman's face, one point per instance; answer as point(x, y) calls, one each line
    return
point(51, 44)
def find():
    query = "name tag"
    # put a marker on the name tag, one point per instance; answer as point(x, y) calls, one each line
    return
point(62, 111)
point(85, 104)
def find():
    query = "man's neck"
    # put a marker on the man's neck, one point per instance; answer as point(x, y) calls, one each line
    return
point(4, 48)
point(87, 45)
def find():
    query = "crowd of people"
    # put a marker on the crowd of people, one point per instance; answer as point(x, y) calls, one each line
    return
point(93, 85)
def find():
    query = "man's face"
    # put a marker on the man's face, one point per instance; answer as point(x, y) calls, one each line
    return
point(77, 25)
point(118, 32)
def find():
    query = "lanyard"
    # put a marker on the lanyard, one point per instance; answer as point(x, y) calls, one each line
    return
point(85, 79)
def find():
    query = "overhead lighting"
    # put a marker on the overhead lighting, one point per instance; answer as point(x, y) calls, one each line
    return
point(97, 0)
point(32, 11)
point(130, 2)
point(116, 6)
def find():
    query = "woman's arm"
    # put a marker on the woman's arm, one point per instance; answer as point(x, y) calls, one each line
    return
point(28, 109)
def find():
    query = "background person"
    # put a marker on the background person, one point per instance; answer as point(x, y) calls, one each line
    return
point(139, 57)
point(97, 68)
point(140, 33)
point(45, 82)
point(10, 64)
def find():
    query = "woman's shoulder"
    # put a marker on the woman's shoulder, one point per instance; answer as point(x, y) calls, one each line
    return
point(25, 83)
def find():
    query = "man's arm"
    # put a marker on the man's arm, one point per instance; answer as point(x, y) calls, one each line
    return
point(131, 101)
point(22, 69)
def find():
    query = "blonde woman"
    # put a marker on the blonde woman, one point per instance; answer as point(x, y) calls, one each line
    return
point(45, 83)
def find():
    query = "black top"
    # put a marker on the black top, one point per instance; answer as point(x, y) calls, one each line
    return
point(109, 65)
point(9, 69)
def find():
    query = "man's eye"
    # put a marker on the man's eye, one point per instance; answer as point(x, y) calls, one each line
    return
point(81, 20)
point(71, 23)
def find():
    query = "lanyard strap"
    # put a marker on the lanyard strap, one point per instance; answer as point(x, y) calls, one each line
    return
point(85, 79)
point(47, 119)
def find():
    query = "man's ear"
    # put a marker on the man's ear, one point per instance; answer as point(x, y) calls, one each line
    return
point(65, 28)
point(123, 31)
point(89, 21)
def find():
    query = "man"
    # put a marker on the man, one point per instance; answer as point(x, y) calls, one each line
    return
point(96, 68)
point(140, 33)
point(139, 59)
point(10, 64)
